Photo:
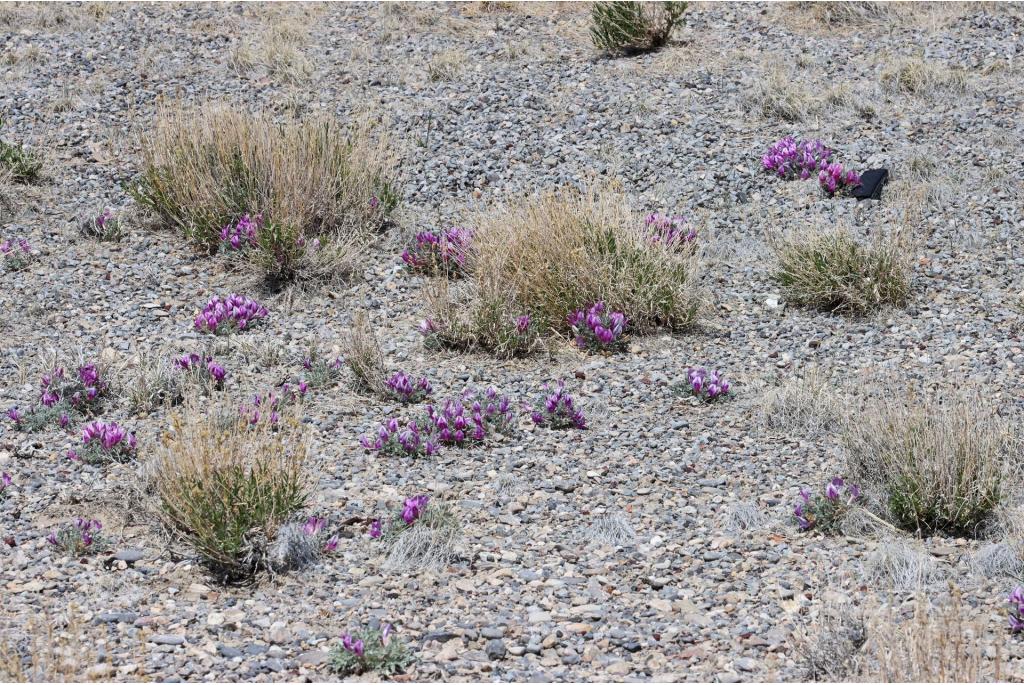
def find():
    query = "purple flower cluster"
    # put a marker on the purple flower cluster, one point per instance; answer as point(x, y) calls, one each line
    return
point(314, 526)
point(103, 442)
point(242, 234)
point(1017, 609)
point(196, 364)
point(5, 482)
point(596, 328)
point(435, 252)
point(393, 440)
point(82, 393)
point(353, 645)
point(78, 538)
point(461, 420)
point(233, 313)
point(558, 410)
point(707, 385)
point(269, 406)
point(413, 507)
point(790, 158)
point(471, 417)
point(104, 226)
point(825, 512)
point(669, 230)
point(403, 388)
point(834, 179)
point(16, 254)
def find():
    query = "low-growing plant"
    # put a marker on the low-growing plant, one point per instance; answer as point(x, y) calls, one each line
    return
point(834, 180)
point(626, 26)
point(5, 484)
point(557, 409)
point(62, 397)
point(368, 651)
point(596, 328)
point(834, 272)
point(205, 168)
point(40, 417)
point(471, 417)
point(231, 314)
point(550, 255)
point(320, 372)
point(104, 442)
point(706, 385)
point(16, 255)
point(1016, 613)
point(394, 440)
point(938, 468)
point(201, 370)
point(363, 356)
point(670, 230)
point(789, 158)
point(439, 252)
point(103, 227)
point(826, 512)
point(226, 485)
point(21, 164)
point(268, 407)
point(405, 389)
point(79, 538)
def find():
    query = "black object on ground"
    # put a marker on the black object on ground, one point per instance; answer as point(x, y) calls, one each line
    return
point(871, 182)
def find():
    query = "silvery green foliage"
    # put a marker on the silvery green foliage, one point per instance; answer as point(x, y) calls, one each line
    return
point(292, 549)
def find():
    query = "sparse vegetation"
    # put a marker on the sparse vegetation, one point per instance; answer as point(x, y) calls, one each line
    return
point(363, 356)
point(916, 76)
point(834, 272)
point(19, 164)
point(629, 27)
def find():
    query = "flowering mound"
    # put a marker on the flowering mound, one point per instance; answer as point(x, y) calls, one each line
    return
point(439, 252)
point(230, 314)
point(597, 329)
point(825, 513)
point(707, 385)
point(670, 231)
point(103, 442)
point(789, 158)
point(403, 388)
point(558, 410)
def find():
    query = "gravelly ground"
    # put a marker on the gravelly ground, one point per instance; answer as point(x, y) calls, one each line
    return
point(694, 595)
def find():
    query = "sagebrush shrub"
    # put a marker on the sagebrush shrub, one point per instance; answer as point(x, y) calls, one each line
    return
point(550, 255)
point(834, 272)
point(625, 26)
point(937, 468)
point(226, 485)
point(206, 169)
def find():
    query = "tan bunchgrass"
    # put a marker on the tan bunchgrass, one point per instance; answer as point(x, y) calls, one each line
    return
point(553, 253)
point(275, 48)
point(806, 404)
point(776, 95)
point(937, 644)
point(915, 76)
point(363, 356)
point(445, 66)
point(935, 467)
point(226, 485)
point(206, 167)
point(833, 271)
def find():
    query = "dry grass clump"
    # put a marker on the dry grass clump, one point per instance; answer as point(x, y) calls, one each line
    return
point(274, 48)
point(430, 544)
point(878, 643)
point(834, 272)
point(935, 645)
point(903, 566)
point(778, 96)
point(916, 76)
point(806, 404)
point(550, 254)
point(206, 167)
point(445, 66)
point(363, 356)
point(938, 468)
point(847, 13)
point(227, 486)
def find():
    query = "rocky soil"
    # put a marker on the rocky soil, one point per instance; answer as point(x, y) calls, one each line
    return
point(706, 579)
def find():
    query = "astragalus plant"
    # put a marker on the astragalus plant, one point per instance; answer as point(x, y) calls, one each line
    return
point(936, 467)
point(227, 484)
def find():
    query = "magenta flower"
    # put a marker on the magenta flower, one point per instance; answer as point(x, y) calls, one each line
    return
point(594, 328)
point(413, 508)
point(5, 482)
point(332, 544)
point(385, 634)
point(14, 415)
point(404, 389)
point(313, 526)
point(233, 313)
point(376, 529)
